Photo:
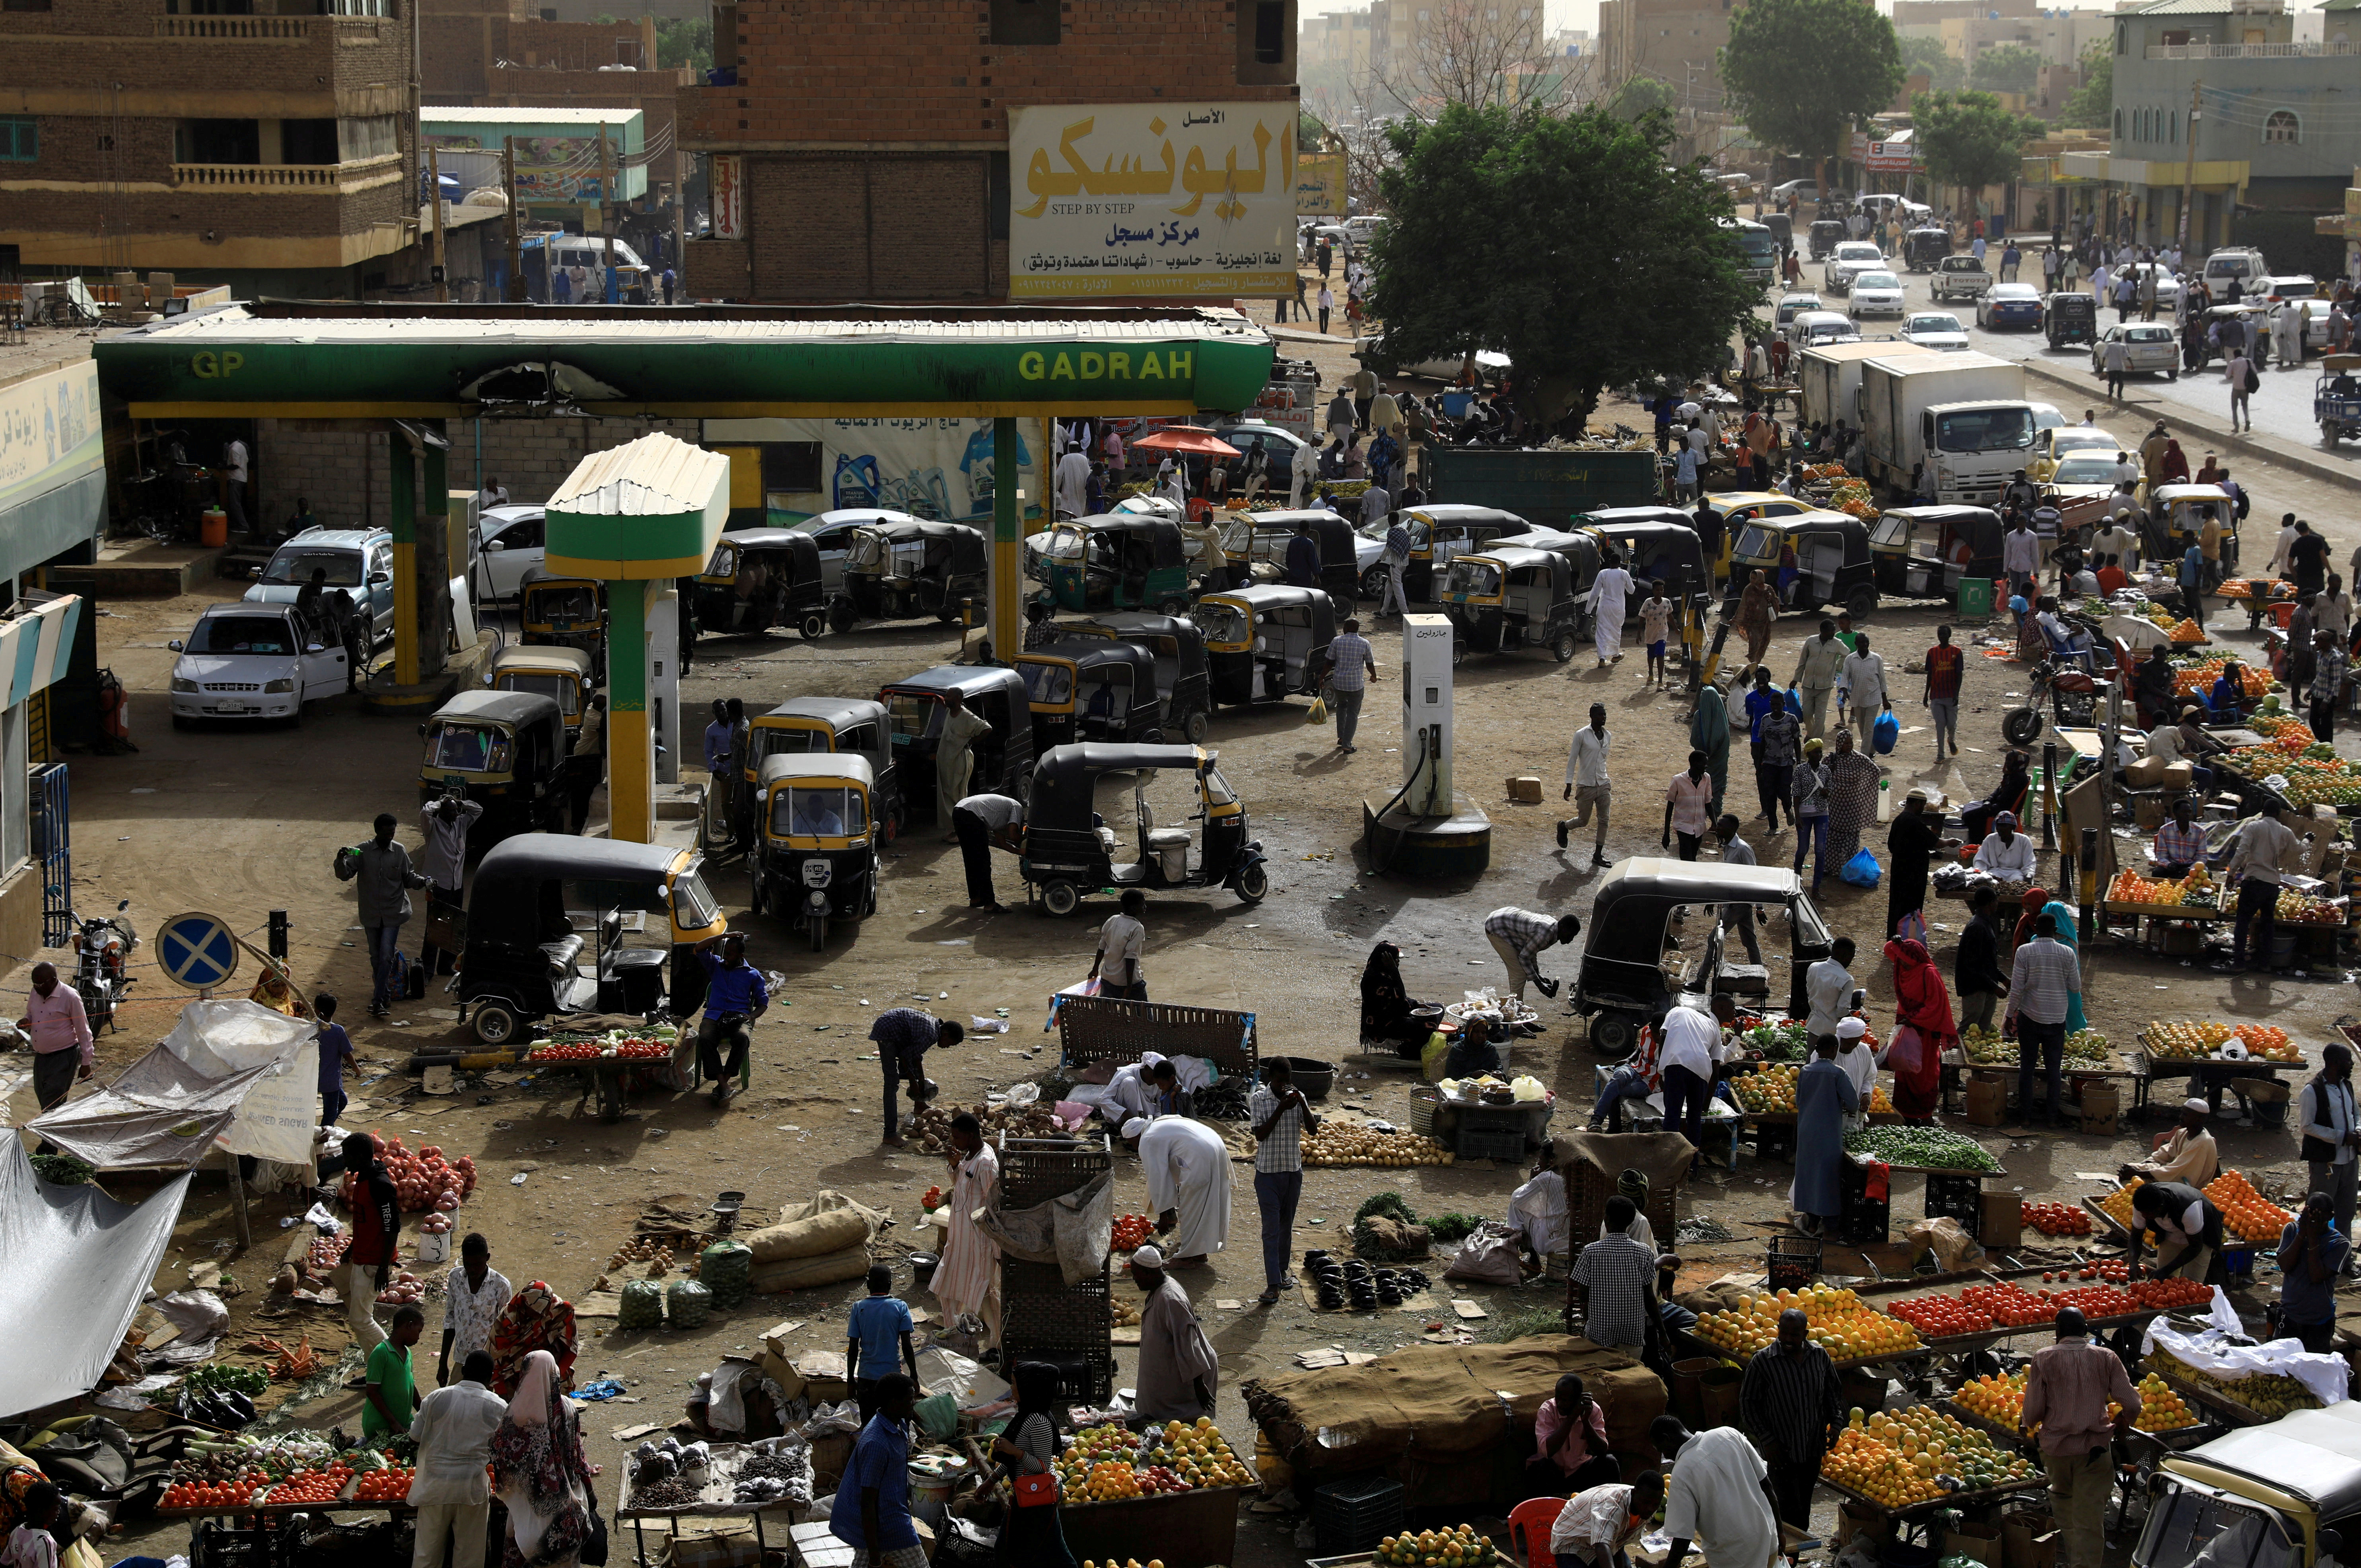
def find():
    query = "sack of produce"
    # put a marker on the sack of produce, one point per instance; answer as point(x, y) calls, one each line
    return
point(688, 1304)
point(642, 1305)
point(814, 1235)
point(725, 1268)
point(802, 1273)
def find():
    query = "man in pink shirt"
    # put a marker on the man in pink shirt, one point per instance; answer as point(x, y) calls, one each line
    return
point(55, 1020)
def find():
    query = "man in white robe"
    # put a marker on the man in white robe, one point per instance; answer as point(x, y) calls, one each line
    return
point(1188, 1171)
point(1608, 590)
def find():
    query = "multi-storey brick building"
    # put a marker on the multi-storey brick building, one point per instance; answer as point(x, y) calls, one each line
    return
point(873, 141)
point(270, 151)
point(1677, 42)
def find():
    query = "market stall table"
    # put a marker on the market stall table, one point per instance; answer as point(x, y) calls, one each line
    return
point(725, 1462)
point(1197, 1529)
point(2211, 1075)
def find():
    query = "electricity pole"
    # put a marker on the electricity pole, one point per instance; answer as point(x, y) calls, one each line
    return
point(2189, 168)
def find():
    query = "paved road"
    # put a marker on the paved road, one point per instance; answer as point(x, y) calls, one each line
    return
point(2281, 409)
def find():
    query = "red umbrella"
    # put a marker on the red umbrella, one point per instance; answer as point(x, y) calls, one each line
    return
point(1192, 439)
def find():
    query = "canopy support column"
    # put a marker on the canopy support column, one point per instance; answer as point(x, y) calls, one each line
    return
point(630, 737)
point(401, 500)
point(1007, 577)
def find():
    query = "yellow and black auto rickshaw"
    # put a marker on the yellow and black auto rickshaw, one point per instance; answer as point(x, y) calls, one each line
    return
point(523, 956)
point(562, 674)
point(1830, 563)
point(508, 752)
point(564, 612)
point(1183, 689)
point(1004, 754)
point(1113, 562)
point(758, 578)
point(855, 726)
point(1439, 535)
point(1926, 552)
point(818, 860)
point(1266, 643)
point(1513, 598)
point(1657, 550)
point(897, 571)
point(1092, 688)
point(1069, 851)
point(1260, 541)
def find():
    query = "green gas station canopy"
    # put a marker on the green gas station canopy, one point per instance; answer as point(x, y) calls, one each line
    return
point(335, 361)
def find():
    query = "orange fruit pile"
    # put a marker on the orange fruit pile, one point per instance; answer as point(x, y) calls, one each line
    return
point(2255, 1217)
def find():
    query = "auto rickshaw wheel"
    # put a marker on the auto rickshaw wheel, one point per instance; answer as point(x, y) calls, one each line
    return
point(811, 625)
point(1199, 722)
point(1861, 603)
point(495, 1020)
point(1176, 608)
point(1060, 898)
point(841, 616)
point(1562, 647)
point(1253, 884)
point(1614, 1035)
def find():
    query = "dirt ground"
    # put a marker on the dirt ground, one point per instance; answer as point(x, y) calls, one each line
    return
point(243, 823)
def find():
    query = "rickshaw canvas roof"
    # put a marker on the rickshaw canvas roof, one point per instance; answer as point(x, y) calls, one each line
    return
point(2312, 1454)
point(1816, 518)
point(768, 538)
point(1454, 511)
point(2174, 495)
point(837, 712)
point(1696, 882)
point(850, 765)
point(498, 708)
point(1258, 595)
point(543, 656)
point(966, 679)
point(570, 859)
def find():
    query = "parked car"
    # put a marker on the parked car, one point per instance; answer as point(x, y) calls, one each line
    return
point(1798, 190)
point(2154, 349)
point(2168, 283)
point(2242, 262)
point(510, 544)
point(1850, 258)
point(832, 531)
point(1366, 227)
point(1371, 352)
point(251, 661)
point(1957, 274)
point(357, 560)
point(2052, 448)
point(1937, 329)
point(2284, 286)
point(2009, 305)
point(1790, 305)
point(1875, 293)
point(1814, 328)
point(2315, 335)
point(1279, 446)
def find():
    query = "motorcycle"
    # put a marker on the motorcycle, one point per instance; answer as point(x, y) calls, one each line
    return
point(103, 947)
point(2071, 693)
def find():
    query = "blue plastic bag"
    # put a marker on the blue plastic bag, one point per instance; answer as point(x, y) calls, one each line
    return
point(1885, 733)
point(1795, 702)
point(1862, 870)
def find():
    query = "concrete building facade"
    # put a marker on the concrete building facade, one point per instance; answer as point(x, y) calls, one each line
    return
point(1677, 42)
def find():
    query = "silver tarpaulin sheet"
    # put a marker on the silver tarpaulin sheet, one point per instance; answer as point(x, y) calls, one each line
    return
point(160, 1111)
point(73, 1265)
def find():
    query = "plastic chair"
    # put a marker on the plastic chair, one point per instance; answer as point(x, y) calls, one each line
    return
point(1531, 1520)
point(2281, 613)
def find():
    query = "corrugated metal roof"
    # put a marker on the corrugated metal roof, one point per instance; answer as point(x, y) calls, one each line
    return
point(2187, 8)
point(562, 330)
point(656, 476)
point(524, 114)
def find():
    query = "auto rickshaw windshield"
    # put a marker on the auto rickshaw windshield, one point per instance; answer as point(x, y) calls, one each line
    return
point(1756, 545)
point(295, 564)
point(2196, 1530)
point(821, 811)
point(559, 689)
point(914, 716)
point(725, 561)
point(1046, 682)
point(570, 603)
point(1475, 577)
point(693, 908)
point(771, 740)
point(868, 552)
point(1217, 788)
point(470, 749)
point(1225, 622)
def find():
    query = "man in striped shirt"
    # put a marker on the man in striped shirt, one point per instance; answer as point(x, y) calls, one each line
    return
point(2041, 988)
point(1613, 1280)
point(1276, 1111)
point(1518, 935)
point(2179, 843)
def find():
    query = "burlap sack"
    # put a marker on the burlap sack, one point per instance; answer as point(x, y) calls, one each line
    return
point(800, 1273)
point(1396, 1239)
point(814, 1235)
point(1949, 1240)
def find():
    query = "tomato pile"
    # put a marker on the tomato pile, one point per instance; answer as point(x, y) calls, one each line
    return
point(212, 1494)
point(1942, 1317)
point(323, 1485)
point(424, 1179)
point(933, 1199)
point(391, 1485)
point(2055, 1219)
point(578, 1051)
point(594, 1050)
point(1132, 1230)
point(2171, 1294)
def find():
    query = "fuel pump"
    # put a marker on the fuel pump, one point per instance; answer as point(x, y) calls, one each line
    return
point(1428, 828)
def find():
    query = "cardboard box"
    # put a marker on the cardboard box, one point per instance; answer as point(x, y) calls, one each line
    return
point(782, 1371)
point(2028, 1538)
point(1980, 1542)
point(2152, 808)
point(1987, 1103)
point(2146, 773)
point(2179, 775)
point(1525, 789)
point(2000, 1222)
point(728, 1548)
point(2101, 1105)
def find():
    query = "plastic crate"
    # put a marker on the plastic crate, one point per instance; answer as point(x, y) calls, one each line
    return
point(1960, 1198)
point(1035, 1170)
point(1082, 1375)
point(1794, 1263)
point(1036, 1299)
point(1354, 1515)
point(1490, 1143)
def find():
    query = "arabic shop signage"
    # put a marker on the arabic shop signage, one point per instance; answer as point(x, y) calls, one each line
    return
point(1152, 198)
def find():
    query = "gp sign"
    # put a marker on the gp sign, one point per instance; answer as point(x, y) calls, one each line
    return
point(206, 366)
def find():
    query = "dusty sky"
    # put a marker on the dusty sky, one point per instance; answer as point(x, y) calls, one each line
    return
point(1557, 14)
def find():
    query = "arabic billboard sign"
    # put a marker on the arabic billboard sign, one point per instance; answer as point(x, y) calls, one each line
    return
point(1320, 185)
point(726, 182)
point(1152, 198)
point(1892, 158)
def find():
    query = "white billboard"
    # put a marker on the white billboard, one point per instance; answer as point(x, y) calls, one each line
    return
point(1148, 199)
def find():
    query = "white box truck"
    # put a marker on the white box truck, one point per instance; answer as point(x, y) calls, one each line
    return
point(1963, 416)
point(1827, 384)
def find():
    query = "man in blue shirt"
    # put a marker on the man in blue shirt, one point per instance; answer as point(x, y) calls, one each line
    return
point(878, 1322)
point(734, 997)
point(872, 1512)
point(335, 1055)
point(2311, 1258)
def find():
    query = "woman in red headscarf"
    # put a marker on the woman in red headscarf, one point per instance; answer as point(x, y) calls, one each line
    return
point(1922, 1017)
point(2034, 899)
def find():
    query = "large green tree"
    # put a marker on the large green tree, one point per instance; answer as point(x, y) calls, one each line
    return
point(1570, 242)
point(2091, 106)
point(1944, 71)
point(1641, 94)
point(1804, 74)
point(1970, 140)
point(2006, 68)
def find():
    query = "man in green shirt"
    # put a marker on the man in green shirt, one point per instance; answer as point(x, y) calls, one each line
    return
point(392, 1393)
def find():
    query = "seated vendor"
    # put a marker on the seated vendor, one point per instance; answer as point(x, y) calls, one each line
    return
point(1637, 1077)
point(2187, 1154)
point(2009, 795)
point(2196, 742)
point(1474, 1054)
point(1149, 1088)
point(1675, 1316)
point(1569, 1444)
point(2228, 697)
point(2006, 854)
point(1387, 1004)
point(2111, 576)
point(2152, 686)
point(1537, 1214)
point(2179, 843)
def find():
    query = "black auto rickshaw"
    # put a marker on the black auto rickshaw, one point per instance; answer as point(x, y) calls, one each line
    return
point(1621, 982)
point(758, 578)
point(1439, 534)
point(1513, 597)
point(1070, 851)
point(2069, 316)
point(1926, 552)
point(1092, 688)
point(896, 571)
point(1923, 248)
point(1664, 551)
point(521, 957)
point(1824, 236)
point(1116, 561)
point(819, 858)
point(1783, 229)
point(569, 612)
point(1261, 539)
point(1183, 689)
point(508, 752)
point(1831, 562)
point(1004, 754)
point(852, 725)
point(1268, 643)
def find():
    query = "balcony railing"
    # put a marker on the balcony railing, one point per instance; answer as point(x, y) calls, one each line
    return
point(2250, 52)
point(305, 178)
point(269, 29)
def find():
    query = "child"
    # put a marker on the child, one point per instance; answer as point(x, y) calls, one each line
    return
point(875, 1322)
point(1655, 619)
point(31, 1545)
point(335, 1055)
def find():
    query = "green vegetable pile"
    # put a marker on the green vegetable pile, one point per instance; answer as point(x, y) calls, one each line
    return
point(1780, 1042)
point(1929, 1147)
point(1388, 1205)
point(1453, 1226)
point(216, 1375)
point(61, 1169)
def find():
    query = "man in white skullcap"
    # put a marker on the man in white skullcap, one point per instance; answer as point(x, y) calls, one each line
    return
point(1188, 1171)
point(1853, 1055)
point(1178, 1373)
point(2187, 1154)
